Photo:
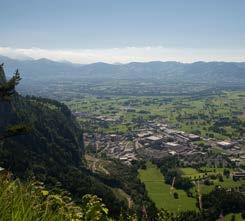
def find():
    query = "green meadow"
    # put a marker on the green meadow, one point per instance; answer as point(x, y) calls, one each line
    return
point(194, 174)
point(227, 183)
point(161, 193)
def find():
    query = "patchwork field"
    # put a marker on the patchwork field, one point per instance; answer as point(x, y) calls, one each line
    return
point(217, 116)
point(162, 194)
point(227, 183)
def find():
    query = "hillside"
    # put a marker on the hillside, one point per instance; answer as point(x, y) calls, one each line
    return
point(6, 111)
point(50, 122)
point(52, 151)
point(18, 199)
point(65, 81)
point(168, 71)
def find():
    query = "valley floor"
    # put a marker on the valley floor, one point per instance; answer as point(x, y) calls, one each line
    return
point(162, 193)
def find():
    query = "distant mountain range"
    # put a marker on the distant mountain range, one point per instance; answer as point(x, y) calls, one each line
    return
point(44, 69)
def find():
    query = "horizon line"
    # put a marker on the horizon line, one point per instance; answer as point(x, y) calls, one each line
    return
point(118, 63)
point(126, 55)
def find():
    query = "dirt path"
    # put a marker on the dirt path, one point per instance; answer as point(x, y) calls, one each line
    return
point(96, 165)
point(130, 201)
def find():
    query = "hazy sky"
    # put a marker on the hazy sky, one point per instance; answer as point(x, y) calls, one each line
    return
point(123, 30)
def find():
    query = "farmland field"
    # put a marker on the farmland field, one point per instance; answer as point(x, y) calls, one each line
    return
point(161, 193)
point(219, 116)
point(193, 173)
point(227, 183)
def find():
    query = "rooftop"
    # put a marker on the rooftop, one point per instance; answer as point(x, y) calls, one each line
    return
point(172, 144)
point(224, 143)
point(1, 169)
point(193, 136)
point(144, 134)
point(154, 138)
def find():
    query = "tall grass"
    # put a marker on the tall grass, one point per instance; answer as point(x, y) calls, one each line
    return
point(31, 202)
point(27, 202)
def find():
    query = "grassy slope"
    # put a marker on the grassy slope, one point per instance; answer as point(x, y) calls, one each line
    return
point(159, 192)
point(29, 202)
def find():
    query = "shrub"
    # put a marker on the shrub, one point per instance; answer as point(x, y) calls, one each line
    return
point(176, 195)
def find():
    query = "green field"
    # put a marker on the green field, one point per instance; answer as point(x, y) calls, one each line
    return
point(219, 116)
point(194, 174)
point(228, 217)
point(227, 183)
point(161, 193)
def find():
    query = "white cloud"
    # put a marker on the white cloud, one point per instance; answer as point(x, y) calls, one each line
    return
point(125, 55)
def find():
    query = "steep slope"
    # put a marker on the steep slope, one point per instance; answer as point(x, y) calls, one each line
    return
point(6, 114)
point(52, 151)
point(54, 137)
point(2, 75)
point(40, 69)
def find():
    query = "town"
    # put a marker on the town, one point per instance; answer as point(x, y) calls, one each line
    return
point(158, 139)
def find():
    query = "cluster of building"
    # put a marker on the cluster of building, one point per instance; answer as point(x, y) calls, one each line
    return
point(158, 139)
point(161, 137)
point(232, 150)
point(100, 118)
point(114, 145)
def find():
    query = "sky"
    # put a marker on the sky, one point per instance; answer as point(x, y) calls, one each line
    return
point(86, 31)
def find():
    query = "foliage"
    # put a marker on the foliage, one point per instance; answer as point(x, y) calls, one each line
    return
point(53, 148)
point(15, 130)
point(53, 151)
point(228, 201)
point(128, 181)
point(93, 209)
point(7, 89)
point(31, 202)
point(170, 170)
point(164, 215)
point(176, 195)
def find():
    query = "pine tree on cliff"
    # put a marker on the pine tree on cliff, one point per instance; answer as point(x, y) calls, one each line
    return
point(7, 90)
